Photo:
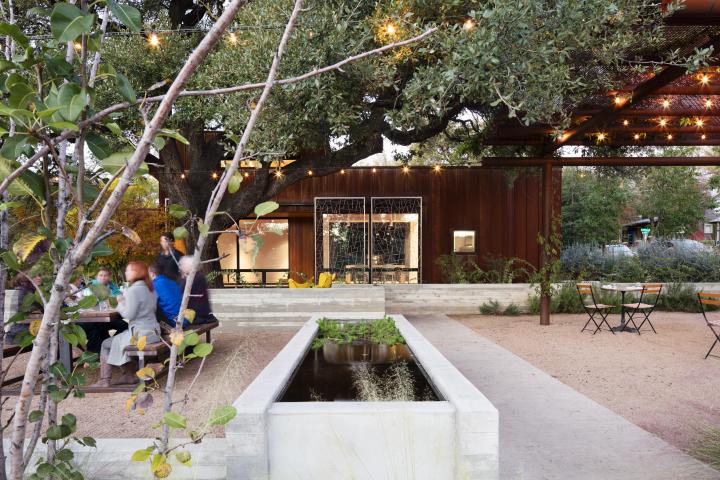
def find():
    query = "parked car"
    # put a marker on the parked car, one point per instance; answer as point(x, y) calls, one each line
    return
point(687, 245)
point(619, 250)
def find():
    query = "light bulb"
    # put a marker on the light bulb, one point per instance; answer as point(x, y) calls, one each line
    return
point(469, 24)
point(669, 137)
point(703, 136)
point(699, 122)
point(704, 79)
point(436, 168)
point(405, 169)
point(601, 137)
point(636, 136)
point(310, 172)
point(708, 103)
point(154, 40)
point(342, 172)
point(626, 123)
point(663, 122)
point(666, 103)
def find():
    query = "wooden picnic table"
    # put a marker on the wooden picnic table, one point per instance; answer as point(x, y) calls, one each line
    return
point(84, 316)
point(623, 289)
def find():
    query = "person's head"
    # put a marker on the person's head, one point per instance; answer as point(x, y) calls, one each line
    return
point(136, 271)
point(155, 269)
point(185, 265)
point(103, 276)
point(166, 241)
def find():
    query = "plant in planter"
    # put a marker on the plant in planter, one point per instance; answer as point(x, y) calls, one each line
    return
point(373, 341)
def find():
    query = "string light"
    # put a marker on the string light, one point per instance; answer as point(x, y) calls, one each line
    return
point(666, 103)
point(342, 172)
point(699, 122)
point(278, 173)
point(636, 136)
point(436, 168)
point(601, 136)
point(703, 136)
point(708, 103)
point(246, 174)
point(619, 100)
point(405, 169)
point(390, 28)
point(469, 24)
point(182, 175)
point(374, 170)
point(663, 122)
point(310, 172)
point(214, 175)
point(626, 123)
point(154, 40)
point(669, 137)
point(704, 79)
point(232, 38)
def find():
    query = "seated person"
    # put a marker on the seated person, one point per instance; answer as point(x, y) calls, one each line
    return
point(103, 278)
point(199, 295)
point(168, 294)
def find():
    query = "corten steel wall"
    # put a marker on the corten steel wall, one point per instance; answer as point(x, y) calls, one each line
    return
point(502, 206)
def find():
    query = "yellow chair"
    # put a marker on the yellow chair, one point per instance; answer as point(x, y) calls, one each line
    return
point(325, 280)
point(293, 284)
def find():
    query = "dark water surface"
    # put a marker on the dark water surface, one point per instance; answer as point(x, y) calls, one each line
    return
point(332, 380)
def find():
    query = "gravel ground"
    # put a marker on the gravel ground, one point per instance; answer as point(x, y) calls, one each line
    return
point(236, 360)
point(659, 382)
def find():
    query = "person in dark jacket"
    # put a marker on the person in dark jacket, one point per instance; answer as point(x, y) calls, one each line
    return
point(199, 295)
point(168, 257)
point(168, 295)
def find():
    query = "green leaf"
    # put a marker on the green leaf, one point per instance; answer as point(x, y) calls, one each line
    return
point(13, 147)
point(64, 455)
point(174, 420)
point(57, 432)
point(192, 339)
point(203, 228)
point(88, 302)
point(69, 420)
point(14, 32)
point(21, 94)
point(89, 441)
point(117, 160)
point(265, 208)
point(141, 455)
point(63, 126)
point(98, 145)
point(11, 260)
point(222, 415)
point(203, 349)
point(125, 87)
point(71, 100)
point(180, 232)
point(174, 134)
point(234, 182)
point(127, 15)
point(35, 415)
point(67, 22)
point(177, 211)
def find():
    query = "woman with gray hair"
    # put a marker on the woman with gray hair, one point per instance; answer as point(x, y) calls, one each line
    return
point(199, 295)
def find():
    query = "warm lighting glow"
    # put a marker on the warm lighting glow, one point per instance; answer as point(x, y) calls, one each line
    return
point(77, 46)
point(619, 100)
point(214, 175)
point(666, 103)
point(342, 172)
point(232, 38)
point(626, 123)
point(708, 104)
point(704, 79)
point(374, 170)
point(310, 173)
point(663, 122)
point(154, 40)
point(278, 173)
point(247, 174)
point(601, 136)
point(436, 168)
point(636, 136)
point(699, 122)
point(669, 137)
point(182, 175)
point(469, 24)
point(703, 136)
point(405, 169)
point(390, 28)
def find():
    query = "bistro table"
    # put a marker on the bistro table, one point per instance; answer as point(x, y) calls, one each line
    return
point(94, 315)
point(623, 289)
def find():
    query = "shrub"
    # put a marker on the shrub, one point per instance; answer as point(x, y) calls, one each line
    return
point(512, 310)
point(455, 269)
point(707, 448)
point(491, 308)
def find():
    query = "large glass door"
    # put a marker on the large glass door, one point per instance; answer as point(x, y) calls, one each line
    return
point(395, 239)
point(341, 239)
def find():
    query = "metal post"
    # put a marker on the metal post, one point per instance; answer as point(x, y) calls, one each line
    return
point(547, 197)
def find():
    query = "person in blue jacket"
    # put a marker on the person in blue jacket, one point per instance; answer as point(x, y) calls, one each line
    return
point(168, 295)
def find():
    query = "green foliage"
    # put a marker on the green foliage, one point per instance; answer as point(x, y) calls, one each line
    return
point(456, 269)
point(382, 331)
point(592, 206)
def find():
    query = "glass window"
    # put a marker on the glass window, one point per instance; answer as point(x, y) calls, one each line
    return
point(464, 241)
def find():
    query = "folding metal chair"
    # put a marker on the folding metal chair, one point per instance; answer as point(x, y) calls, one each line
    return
point(710, 298)
point(643, 308)
point(593, 309)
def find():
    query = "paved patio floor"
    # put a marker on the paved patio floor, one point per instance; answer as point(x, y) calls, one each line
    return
point(547, 429)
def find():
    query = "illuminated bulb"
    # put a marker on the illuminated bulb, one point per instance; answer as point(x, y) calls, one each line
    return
point(601, 137)
point(619, 100)
point(77, 46)
point(636, 136)
point(663, 122)
point(232, 38)
point(708, 104)
point(374, 170)
point(469, 24)
point(669, 137)
point(406, 169)
point(342, 172)
point(703, 136)
point(214, 175)
point(666, 103)
point(390, 28)
point(278, 173)
point(704, 79)
point(182, 175)
point(699, 122)
point(247, 174)
point(626, 123)
point(436, 168)
point(310, 172)
point(154, 40)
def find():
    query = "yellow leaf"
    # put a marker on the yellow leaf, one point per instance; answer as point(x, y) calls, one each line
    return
point(34, 327)
point(177, 337)
point(24, 246)
point(129, 403)
point(189, 313)
point(162, 471)
point(141, 342)
point(145, 373)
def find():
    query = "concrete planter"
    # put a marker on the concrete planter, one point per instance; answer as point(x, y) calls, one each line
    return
point(456, 438)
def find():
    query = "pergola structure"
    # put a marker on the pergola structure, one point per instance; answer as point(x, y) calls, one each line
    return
point(670, 107)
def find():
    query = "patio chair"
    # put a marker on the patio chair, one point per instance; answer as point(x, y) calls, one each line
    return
point(593, 309)
point(652, 290)
point(710, 298)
